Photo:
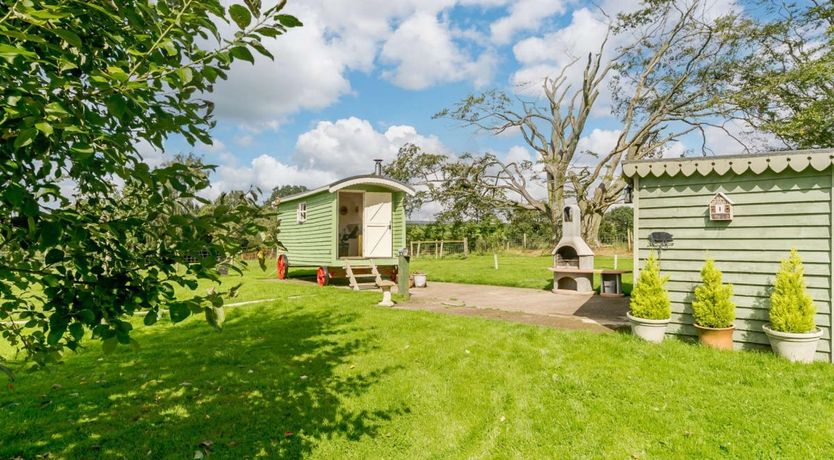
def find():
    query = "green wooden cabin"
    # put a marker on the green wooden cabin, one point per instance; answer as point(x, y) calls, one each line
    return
point(746, 212)
point(354, 227)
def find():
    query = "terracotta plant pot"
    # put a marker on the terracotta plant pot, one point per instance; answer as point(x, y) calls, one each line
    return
point(716, 337)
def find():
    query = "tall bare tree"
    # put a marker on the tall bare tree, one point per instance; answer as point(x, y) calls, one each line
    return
point(668, 85)
point(552, 130)
point(664, 79)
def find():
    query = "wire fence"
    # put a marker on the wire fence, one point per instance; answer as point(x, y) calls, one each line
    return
point(439, 249)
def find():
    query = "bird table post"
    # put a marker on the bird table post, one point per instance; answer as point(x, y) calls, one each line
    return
point(403, 275)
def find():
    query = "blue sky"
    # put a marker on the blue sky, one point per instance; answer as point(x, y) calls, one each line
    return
point(363, 77)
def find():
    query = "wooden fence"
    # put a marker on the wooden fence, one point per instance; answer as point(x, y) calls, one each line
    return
point(438, 247)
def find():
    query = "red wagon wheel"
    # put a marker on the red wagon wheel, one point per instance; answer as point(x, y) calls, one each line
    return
point(282, 266)
point(322, 276)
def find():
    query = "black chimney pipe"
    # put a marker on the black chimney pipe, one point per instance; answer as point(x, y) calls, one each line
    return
point(378, 167)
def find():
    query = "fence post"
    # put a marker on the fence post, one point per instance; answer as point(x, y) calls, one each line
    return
point(495, 259)
point(465, 246)
point(615, 261)
point(419, 243)
point(441, 249)
point(436, 247)
point(524, 241)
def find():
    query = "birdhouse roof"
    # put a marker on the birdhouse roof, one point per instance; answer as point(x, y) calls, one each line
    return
point(721, 195)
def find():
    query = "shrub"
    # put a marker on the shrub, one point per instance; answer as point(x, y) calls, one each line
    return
point(649, 299)
point(791, 308)
point(713, 305)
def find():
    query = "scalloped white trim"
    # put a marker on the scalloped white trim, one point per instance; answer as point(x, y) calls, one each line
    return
point(777, 162)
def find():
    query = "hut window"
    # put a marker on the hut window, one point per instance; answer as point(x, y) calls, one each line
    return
point(301, 213)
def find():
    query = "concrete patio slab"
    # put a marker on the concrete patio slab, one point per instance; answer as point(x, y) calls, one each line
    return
point(533, 306)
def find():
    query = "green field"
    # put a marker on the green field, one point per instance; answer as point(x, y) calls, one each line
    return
point(324, 373)
point(516, 270)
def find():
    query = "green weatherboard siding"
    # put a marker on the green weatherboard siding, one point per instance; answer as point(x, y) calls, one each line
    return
point(314, 243)
point(310, 243)
point(773, 212)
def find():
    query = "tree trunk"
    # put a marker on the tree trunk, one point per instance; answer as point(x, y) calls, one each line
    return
point(590, 229)
point(555, 202)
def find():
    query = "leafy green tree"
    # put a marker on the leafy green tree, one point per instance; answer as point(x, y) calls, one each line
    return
point(421, 169)
point(85, 82)
point(713, 305)
point(282, 191)
point(649, 299)
point(791, 308)
point(786, 82)
point(616, 224)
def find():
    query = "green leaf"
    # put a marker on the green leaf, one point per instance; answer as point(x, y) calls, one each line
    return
point(25, 137)
point(77, 331)
point(185, 74)
point(216, 316)
point(69, 37)
point(9, 52)
point(254, 6)
point(44, 127)
point(151, 318)
point(14, 194)
point(179, 312)
point(54, 255)
point(242, 52)
point(287, 20)
point(86, 316)
point(50, 233)
point(240, 15)
point(109, 345)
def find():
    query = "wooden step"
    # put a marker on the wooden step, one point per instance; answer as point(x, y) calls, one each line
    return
point(365, 286)
point(364, 275)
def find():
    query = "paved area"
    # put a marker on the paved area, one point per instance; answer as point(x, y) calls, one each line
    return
point(534, 306)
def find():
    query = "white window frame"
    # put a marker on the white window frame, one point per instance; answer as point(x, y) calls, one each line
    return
point(301, 213)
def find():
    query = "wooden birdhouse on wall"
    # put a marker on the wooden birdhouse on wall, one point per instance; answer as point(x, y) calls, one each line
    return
point(720, 207)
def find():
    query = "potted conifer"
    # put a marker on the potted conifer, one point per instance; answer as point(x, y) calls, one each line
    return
point(650, 307)
point(792, 331)
point(713, 310)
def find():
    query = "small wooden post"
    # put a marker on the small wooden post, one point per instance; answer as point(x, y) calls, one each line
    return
point(403, 276)
point(411, 248)
point(524, 241)
point(436, 247)
point(495, 259)
point(419, 243)
point(441, 249)
point(615, 261)
point(465, 246)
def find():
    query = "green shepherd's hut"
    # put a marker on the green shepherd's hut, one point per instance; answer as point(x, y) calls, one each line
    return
point(352, 228)
point(746, 212)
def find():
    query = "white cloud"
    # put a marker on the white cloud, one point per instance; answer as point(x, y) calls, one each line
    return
point(423, 54)
point(329, 151)
point(524, 15)
point(350, 145)
point(544, 56)
point(307, 73)
point(407, 41)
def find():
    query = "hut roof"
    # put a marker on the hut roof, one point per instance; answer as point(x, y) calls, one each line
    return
point(367, 179)
point(797, 160)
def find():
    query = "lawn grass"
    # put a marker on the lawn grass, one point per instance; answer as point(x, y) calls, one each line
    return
point(324, 373)
point(515, 270)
